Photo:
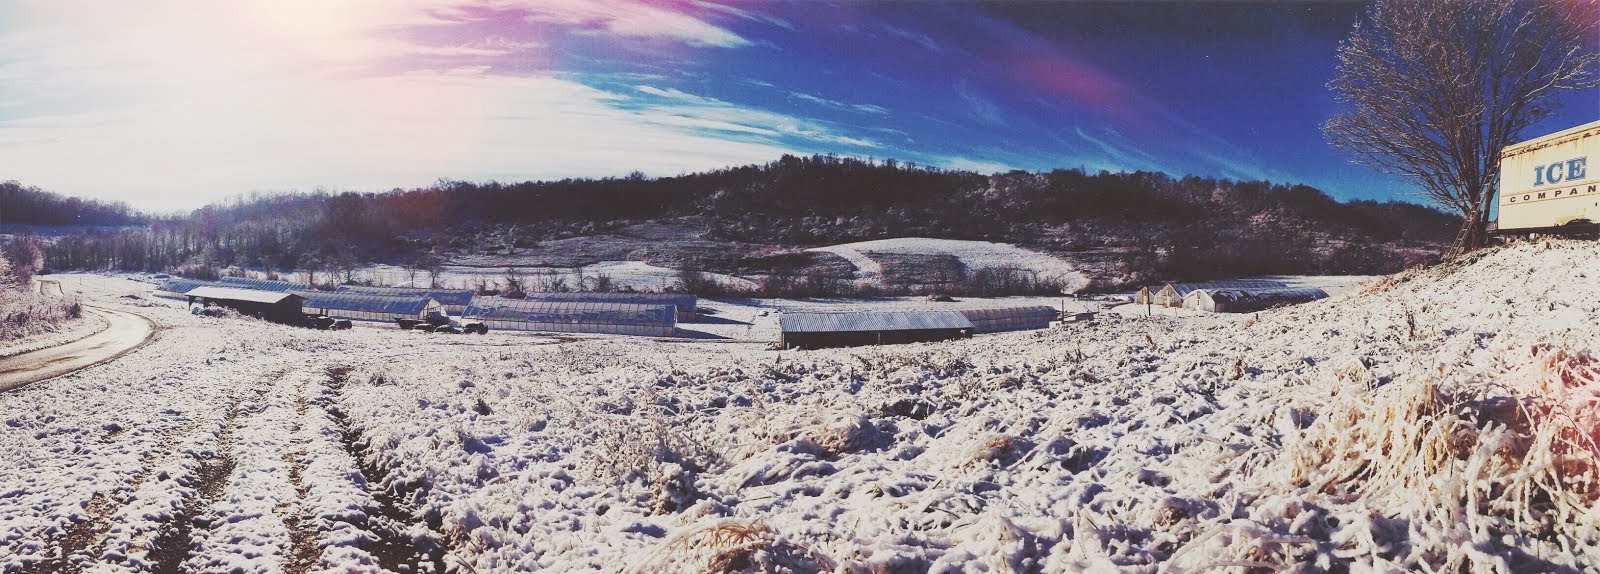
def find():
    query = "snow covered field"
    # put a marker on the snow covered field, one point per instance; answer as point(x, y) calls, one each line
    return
point(973, 255)
point(1441, 420)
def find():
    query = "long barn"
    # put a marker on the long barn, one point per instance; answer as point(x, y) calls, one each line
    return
point(817, 330)
point(269, 305)
point(180, 287)
point(361, 307)
point(578, 317)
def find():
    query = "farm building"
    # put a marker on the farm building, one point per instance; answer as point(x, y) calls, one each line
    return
point(261, 284)
point(578, 317)
point(269, 305)
point(455, 301)
point(1246, 300)
point(685, 303)
point(1011, 318)
point(1172, 294)
point(362, 307)
point(817, 330)
point(177, 288)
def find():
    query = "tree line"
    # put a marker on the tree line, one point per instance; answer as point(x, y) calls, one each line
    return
point(1184, 225)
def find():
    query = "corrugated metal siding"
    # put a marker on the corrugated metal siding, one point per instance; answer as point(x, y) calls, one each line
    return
point(261, 284)
point(872, 321)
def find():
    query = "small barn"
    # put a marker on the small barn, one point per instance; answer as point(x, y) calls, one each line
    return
point(179, 288)
point(1172, 294)
point(686, 304)
point(261, 284)
point(269, 305)
point(363, 307)
point(1246, 300)
point(817, 330)
point(1011, 318)
point(455, 301)
point(577, 317)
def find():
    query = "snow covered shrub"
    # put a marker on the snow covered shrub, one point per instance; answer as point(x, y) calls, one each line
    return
point(1420, 474)
point(23, 313)
point(732, 545)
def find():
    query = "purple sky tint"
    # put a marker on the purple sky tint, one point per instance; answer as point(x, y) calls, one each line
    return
point(170, 104)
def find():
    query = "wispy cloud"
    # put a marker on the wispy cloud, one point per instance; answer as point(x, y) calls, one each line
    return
point(838, 105)
point(688, 110)
point(981, 107)
point(635, 19)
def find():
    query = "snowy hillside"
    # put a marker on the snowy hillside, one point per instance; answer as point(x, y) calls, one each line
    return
point(973, 255)
point(1437, 420)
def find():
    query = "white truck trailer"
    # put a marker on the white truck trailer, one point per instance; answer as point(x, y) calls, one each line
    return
point(1551, 184)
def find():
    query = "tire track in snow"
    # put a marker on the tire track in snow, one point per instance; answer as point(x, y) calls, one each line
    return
point(398, 547)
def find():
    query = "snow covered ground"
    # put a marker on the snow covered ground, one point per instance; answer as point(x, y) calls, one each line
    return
point(972, 254)
point(1439, 420)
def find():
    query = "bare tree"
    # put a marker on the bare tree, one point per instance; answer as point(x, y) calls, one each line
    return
point(1434, 89)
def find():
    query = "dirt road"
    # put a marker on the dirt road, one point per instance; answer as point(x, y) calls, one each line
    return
point(127, 331)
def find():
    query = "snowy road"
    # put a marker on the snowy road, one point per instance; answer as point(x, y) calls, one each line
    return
point(126, 332)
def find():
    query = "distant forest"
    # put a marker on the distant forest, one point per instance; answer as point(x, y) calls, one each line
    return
point(1159, 226)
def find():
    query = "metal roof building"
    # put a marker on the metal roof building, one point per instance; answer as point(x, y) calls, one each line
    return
point(261, 284)
point(454, 300)
point(577, 317)
point(362, 307)
point(272, 306)
point(685, 303)
point(1246, 300)
point(1172, 294)
point(816, 330)
point(176, 288)
point(1011, 318)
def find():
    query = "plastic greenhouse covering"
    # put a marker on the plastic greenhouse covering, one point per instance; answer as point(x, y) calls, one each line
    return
point(260, 284)
point(376, 307)
point(578, 317)
point(447, 297)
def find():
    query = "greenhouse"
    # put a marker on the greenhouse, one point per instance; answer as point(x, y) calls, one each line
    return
point(176, 288)
point(454, 300)
point(260, 284)
point(578, 317)
point(1172, 294)
point(1011, 318)
point(684, 303)
point(817, 330)
point(362, 307)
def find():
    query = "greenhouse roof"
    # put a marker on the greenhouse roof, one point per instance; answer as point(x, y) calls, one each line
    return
point(684, 302)
point(443, 296)
point(260, 284)
point(365, 303)
point(575, 312)
point(872, 321)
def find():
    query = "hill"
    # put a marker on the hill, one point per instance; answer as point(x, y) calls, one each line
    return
point(1119, 228)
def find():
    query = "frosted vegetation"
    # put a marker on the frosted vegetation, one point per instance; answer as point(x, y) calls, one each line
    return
point(1437, 420)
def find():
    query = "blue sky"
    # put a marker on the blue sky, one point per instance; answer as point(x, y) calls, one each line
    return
point(170, 104)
